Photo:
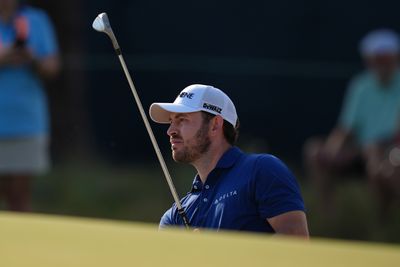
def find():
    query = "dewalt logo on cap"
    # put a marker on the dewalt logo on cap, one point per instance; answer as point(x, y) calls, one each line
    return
point(212, 108)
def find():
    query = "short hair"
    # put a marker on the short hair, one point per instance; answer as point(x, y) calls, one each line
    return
point(231, 133)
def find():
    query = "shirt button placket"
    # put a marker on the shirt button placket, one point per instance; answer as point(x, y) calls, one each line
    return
point(205, 200)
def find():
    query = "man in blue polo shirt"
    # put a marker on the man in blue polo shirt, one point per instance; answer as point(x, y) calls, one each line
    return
point(231, 190)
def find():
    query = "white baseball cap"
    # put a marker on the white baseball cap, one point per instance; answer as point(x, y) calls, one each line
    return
point(378, 42)
point(196, 97)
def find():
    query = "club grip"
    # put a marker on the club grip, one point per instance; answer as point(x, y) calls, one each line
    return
point(184, 217)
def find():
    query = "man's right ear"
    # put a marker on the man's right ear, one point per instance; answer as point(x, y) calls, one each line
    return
point(217, 123)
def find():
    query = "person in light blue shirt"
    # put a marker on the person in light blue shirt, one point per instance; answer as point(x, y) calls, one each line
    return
point(28, 54)
point(371, 109)
point(367, 126)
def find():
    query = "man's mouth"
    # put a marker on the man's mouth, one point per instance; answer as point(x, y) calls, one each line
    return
point(175, 143)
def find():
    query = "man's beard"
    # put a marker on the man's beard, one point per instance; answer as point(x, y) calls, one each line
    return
point(192, 153)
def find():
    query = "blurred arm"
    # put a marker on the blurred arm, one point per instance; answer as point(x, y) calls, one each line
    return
point(290, 223)
point(12, 56)
point(338, 138)
point(4, 57)
point(48, 67)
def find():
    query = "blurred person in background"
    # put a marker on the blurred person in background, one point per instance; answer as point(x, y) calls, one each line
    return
point(28, 55)
point(367, 125)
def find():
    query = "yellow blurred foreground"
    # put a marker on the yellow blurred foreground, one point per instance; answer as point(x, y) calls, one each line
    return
point(54, 241)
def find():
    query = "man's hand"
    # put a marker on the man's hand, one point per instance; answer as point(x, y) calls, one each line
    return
point(381, 160)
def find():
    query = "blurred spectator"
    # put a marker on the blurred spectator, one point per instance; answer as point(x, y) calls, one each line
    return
point(28, 53)
point(367, 125)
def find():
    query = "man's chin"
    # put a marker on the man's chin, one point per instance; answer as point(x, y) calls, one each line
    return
point(175, 156)
point(179, 157)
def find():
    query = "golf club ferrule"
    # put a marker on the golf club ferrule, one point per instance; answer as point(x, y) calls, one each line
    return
point(184, 217)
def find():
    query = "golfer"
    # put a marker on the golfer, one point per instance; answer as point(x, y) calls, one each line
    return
point(232, 190)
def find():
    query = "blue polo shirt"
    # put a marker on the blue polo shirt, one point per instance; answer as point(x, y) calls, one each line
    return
point(241, 193)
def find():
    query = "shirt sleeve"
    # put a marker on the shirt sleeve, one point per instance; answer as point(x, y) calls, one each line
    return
point(44, 35)
point(349, 114)
point(276, 189)
point(166, 219)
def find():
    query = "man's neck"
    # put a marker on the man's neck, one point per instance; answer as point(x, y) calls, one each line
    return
point(209, 160)
point(385, 81)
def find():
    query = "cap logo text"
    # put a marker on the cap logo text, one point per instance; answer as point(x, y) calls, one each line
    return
point(187, 95)
point(212, 108)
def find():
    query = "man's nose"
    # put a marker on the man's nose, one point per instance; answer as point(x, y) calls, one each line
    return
point(171, 130)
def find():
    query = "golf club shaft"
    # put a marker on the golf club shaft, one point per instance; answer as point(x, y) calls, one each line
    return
point(154, 141)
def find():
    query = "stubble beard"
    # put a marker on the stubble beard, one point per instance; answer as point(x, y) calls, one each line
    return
point(192, 153)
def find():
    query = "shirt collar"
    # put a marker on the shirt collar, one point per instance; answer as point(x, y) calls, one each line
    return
point(227, 160)
point(197, 184)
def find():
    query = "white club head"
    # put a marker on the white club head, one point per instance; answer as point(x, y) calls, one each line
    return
point(102, 24)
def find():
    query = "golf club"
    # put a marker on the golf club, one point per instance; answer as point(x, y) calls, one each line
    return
point(102, 24)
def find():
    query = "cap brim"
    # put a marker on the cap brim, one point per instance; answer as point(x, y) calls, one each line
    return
point(160, 112)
